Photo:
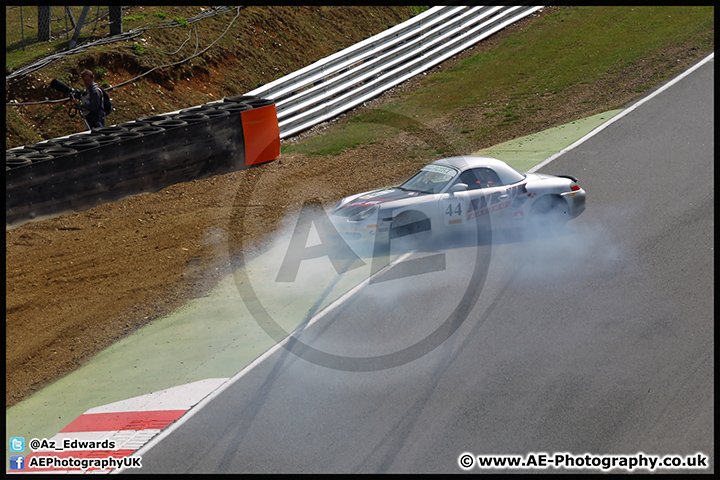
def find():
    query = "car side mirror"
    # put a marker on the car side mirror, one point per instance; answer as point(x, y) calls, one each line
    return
point(458, 187)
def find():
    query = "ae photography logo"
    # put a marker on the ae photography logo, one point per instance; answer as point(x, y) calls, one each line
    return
point(568, 461)
point(297, 255)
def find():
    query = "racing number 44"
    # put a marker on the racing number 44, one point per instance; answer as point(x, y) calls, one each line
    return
point(449, 211)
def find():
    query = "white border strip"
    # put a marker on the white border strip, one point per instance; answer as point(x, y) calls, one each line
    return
point(623, 113)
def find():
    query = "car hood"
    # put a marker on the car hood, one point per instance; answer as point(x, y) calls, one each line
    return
point(356, 203)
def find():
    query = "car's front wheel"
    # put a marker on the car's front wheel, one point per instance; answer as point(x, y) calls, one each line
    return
point(409, 231)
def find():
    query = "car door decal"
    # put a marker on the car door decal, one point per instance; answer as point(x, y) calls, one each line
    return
point(494, 201)
point(452, 208)
point(454, 211)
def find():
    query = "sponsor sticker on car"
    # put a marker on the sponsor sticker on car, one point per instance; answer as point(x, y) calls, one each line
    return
point(450, 172)
point(439, 169)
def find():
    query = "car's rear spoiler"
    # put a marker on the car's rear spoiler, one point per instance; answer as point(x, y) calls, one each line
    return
point(568, 176)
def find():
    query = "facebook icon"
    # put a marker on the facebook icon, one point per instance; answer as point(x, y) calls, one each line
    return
point(17, 462)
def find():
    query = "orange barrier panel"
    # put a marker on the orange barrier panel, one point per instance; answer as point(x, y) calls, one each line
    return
point(262, 134)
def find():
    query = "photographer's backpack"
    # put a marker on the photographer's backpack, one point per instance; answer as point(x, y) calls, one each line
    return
point(107, 104)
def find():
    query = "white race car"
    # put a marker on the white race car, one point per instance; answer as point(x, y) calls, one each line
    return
point(458, 193)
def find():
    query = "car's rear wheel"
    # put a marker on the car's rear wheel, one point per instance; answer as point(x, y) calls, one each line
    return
point(549, 210)
point(409, 231)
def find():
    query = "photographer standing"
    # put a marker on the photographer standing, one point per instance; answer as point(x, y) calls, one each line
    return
point(92, 101)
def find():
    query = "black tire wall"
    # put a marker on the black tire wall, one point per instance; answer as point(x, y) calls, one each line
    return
point(172, 151)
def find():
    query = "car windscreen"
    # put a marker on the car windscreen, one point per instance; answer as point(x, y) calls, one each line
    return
point(431, 179)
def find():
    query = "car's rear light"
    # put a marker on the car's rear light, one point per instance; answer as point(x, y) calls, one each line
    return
point(575, 188)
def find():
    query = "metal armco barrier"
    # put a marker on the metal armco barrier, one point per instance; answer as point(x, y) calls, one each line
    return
point(340, 82)
point(84, 170)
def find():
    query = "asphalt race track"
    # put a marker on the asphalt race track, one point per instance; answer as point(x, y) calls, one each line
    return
point(596, 340)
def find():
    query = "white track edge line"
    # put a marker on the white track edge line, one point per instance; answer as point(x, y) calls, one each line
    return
point(623, 113)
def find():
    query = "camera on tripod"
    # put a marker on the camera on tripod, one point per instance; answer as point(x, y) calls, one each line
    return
point(62, 88)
